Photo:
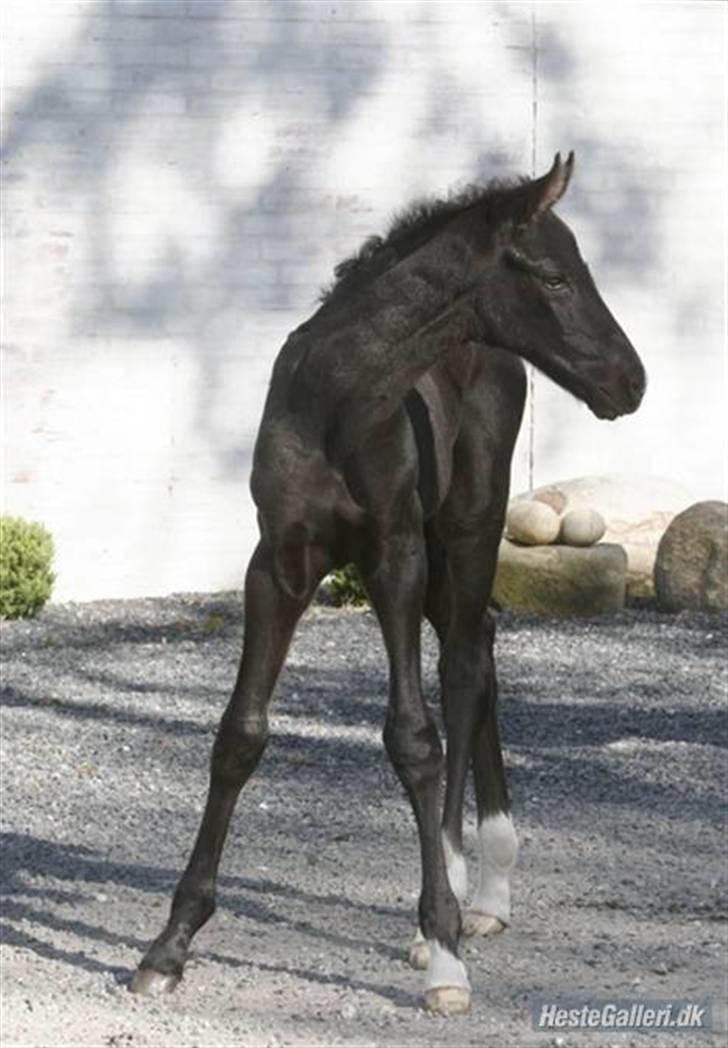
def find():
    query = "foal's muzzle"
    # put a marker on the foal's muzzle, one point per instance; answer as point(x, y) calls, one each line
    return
point(619, 389)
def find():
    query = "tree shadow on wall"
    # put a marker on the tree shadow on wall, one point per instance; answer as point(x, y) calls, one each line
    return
point(174, 85)
point(164, 83)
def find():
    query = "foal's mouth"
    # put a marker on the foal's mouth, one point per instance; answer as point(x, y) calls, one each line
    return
point(610, 390)
point(607, 403)
point(602, 399)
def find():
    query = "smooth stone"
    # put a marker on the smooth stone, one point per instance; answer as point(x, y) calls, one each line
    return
point(532, 523)
point(691, 567)
point(636, 509)
point(581, 527)
point(557, 581)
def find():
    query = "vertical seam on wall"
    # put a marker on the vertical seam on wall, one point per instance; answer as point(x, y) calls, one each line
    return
point(534, 145)
point(725, 236)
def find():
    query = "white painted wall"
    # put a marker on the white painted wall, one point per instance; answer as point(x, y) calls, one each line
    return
point(179, 179)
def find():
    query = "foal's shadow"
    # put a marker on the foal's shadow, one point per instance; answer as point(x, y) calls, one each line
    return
point(346, 980)
point(23, 904)
point(12, 936)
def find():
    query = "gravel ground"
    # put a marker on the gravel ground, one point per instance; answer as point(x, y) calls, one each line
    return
point(613, 731)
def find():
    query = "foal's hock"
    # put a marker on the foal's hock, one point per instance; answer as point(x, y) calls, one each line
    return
point(386, 440)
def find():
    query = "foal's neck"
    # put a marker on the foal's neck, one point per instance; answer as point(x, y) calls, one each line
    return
point(372, 348)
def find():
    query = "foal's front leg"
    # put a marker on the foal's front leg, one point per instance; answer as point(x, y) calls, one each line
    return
point(469, 692)
point(396, 586)
point(271, 615)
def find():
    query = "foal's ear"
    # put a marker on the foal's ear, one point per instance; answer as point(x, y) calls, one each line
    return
point(542, 193)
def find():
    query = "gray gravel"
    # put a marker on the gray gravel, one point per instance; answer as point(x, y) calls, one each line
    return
point(614, 734)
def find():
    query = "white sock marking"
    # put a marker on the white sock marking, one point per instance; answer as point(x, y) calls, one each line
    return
point(445, 968)
point(498, 850)
point(457, 871)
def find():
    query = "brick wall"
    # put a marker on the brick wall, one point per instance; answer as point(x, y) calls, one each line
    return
point(179, 179)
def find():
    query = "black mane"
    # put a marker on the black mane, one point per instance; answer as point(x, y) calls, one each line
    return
point(414, 226)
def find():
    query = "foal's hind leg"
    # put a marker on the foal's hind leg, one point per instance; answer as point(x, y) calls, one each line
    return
point(396, 586)
point(437, 612)
point(270, 619)
point(461, 575)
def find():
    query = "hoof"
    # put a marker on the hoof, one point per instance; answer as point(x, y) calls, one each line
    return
point(151, 984)
point(419, 955)
point(448, 1000)
point(475, 923)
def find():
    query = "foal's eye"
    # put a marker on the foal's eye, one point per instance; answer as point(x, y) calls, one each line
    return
point(553, 283)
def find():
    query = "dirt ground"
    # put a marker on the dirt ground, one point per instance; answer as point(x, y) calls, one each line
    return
point(615, 734)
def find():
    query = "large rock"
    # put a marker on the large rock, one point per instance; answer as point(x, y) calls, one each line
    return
point(691, 568)
point(551, 497)
point(561, 580)
point(636, 510)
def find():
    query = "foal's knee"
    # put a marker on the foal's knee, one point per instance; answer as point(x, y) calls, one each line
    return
point(415, 751)
point(238, 746)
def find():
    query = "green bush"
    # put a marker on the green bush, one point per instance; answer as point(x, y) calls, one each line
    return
point(26, 579)
point(344, 587)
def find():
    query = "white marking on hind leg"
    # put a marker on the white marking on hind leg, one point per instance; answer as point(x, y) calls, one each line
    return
point(498, 850)
point(445, 969)
point(457, 871)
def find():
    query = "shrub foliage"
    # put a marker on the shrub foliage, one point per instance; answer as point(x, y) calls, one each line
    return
point(345, 587)
point(26, 579)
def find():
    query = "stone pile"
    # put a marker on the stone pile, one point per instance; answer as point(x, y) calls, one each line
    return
point(582, 546)
point(548, 563)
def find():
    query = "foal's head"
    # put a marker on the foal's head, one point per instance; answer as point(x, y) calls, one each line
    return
point(539, 300)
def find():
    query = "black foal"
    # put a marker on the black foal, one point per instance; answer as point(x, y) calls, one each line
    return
point(386, 440)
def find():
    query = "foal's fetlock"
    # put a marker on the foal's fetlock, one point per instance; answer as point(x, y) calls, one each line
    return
point(419, 953)
point(490, 909)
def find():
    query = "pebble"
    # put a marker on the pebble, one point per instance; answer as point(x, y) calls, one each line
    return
point(532, 523)
point(581, 527)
